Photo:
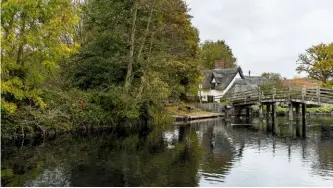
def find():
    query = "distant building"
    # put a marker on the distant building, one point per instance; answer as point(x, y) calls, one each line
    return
point(217, 82)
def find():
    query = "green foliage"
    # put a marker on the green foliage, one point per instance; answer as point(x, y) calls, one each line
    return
point(271, 76)
point(328, 84)
point(61, 72)
point(224, 100)
point(322, 109)
point(33, 42)
point(219, 50)
point(163, 60)
point(281, 111)
point(318, 63)
point(97, 64)
point(161, 116)
point(267, 87)
point(274, 81)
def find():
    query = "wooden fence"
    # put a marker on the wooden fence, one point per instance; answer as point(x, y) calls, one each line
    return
point(214, 107)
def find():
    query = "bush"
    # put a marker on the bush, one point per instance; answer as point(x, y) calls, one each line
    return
point(323, 109)
point(281, 111)
point(70, 110)
point(224, 100)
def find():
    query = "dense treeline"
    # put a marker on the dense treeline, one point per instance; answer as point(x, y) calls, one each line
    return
point(72, 64)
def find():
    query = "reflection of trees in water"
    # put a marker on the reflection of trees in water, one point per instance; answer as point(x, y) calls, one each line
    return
point(56, 177)
point(219, 152)
point(324, 153)
point(105, 160)
point(149, 160)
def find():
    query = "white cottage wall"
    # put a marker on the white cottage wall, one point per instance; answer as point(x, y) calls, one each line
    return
point(213, 92)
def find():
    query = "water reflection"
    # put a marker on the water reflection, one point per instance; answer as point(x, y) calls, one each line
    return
point(203, 153)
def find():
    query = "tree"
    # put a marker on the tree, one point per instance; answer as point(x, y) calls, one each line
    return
point(129, 55)
point(219, 50)
point(317, 61)
point(131, 42)
point(36, 35)
point(271, 76)
point(274, 80)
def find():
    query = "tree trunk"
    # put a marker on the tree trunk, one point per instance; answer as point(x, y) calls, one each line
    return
point(150, 45)
point(129, 75)
point(147, 30)
point(22, 40)
point(19, 54)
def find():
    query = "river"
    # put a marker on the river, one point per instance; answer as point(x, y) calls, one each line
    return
point(205, 153)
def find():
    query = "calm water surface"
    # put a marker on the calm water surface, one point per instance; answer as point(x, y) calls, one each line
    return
point(206, 153)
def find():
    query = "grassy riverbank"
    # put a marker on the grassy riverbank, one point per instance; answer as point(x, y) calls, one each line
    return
point(185, 109)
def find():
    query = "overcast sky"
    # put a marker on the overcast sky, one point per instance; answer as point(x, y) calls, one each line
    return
point(265, 35)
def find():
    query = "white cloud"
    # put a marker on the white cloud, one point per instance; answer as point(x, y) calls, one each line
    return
point(265, 35)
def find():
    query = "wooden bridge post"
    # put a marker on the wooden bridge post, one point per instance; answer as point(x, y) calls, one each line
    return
point(260, 111)
point(303, 93)
point(268, 109)
point(318, 94)
point(297, 120)
point(291, 111)
point(225, 110)
point(274, 118)
point(247, 112)
point(303, 120)
point(291, 130)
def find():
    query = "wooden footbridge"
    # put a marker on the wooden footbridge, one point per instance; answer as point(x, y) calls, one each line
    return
point(316, 96)
point(294, 97)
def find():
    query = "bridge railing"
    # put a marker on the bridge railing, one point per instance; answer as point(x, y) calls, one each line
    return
point(314, 95)
point(319, 95)
point(245, 96)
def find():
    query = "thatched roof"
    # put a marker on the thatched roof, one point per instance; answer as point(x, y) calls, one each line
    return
point(223, 77)
point(249, 83)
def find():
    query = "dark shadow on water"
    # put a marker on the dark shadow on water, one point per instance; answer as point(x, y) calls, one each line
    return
point(197, 153)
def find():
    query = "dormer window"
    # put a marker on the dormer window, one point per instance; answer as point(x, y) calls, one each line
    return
point(213, 84)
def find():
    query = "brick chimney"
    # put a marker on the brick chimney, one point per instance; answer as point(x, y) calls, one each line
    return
point(219, 64)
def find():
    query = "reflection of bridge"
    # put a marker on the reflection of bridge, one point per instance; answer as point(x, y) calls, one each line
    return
point(269, 97)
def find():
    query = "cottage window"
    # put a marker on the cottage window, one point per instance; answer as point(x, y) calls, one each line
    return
point(213, 84)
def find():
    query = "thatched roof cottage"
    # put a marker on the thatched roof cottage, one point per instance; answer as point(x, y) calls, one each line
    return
point(217, 82)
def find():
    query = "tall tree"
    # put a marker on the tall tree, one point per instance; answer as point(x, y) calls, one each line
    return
point(317, 62)
point(219, 50)
point(137, 43)
point(36, 35)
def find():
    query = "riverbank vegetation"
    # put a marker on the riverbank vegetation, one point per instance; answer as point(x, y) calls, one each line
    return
point(320, 110)
point(87, 64)
point(185, 109)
